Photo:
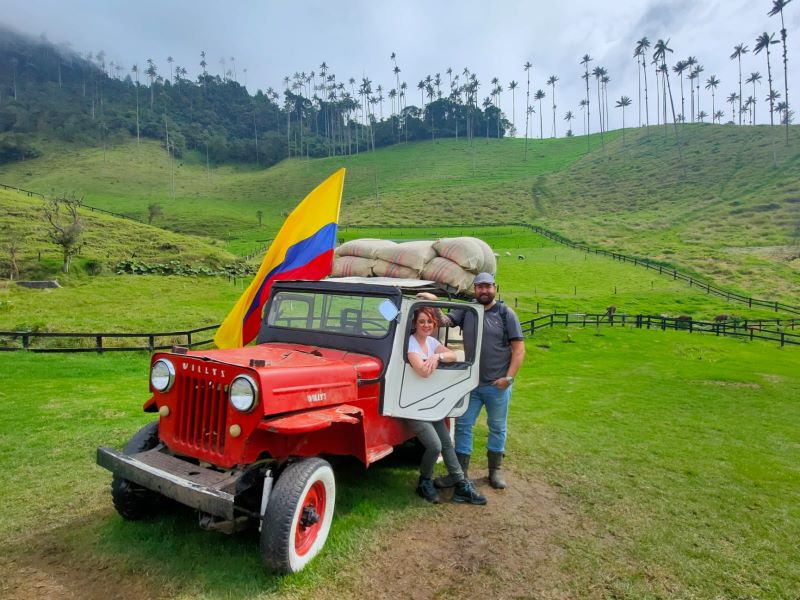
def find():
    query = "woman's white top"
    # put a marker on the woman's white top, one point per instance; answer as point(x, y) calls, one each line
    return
point(431, 344)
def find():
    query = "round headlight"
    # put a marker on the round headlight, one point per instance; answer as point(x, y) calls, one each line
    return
point(244, 393)
point(162, 375)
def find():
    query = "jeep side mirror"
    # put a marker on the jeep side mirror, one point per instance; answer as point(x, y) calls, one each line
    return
point(388, 310)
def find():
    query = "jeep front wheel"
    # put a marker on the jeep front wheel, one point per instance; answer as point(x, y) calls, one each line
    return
point(298, 516)
point(133, 502)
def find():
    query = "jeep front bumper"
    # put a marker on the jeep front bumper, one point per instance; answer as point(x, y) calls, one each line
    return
point(202, 488)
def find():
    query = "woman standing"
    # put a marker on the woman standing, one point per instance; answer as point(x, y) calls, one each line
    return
point(425, 352)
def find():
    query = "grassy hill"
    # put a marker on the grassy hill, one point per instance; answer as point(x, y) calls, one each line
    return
point(725, 207)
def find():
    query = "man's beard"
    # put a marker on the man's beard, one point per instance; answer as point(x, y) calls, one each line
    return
point(485, 299)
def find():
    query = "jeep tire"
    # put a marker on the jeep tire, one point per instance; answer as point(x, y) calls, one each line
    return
point(298, 515)
point(133, 502)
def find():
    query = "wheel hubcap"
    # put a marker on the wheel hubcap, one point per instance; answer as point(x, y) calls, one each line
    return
point(310, 522)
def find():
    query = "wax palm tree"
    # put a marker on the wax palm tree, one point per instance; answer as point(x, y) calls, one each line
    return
point(749, 106)
point(151, 72)
point(582, 104)
point(783, 112)
point(604, 81)
point(777, 9)
point(585, 62)
point(170, 60)
point(773, 97)
point(711, 84)
point(551, 81)
point(598, 73)
point(754, 79)
point(512, 85)
point(678, 69)
point(135, 70)
point(569, 118)
point(738, 51)
point(763, 42)
point(637, 54)
point(702, 115)
point(641, 50)
point(622, 103)
point(661, 49)
point(732, 98)
point(539, 95)
point(697, 71)
point(527, 66)
point(717, 116)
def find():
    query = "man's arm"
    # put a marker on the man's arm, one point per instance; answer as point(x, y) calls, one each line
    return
point(517, 356)
point(444, 320)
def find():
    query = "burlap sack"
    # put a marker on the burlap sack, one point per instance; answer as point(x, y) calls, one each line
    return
point(489, 259)
point(365, 248)
point(448, 272)
point(382, 268)
point(408, 254)
point(352, 266)
point(466, 252)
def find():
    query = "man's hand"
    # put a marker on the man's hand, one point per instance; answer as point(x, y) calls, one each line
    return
point(426, 296)
point(502, 383)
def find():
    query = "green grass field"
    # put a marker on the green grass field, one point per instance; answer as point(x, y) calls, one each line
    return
point(680, 451)
point(725, 207)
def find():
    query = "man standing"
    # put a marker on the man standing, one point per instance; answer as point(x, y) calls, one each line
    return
point(502, 353)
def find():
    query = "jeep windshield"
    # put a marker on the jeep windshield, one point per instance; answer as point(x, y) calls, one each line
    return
point(327, 312)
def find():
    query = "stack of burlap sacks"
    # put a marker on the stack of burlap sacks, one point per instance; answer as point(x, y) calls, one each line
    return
point(451, 261)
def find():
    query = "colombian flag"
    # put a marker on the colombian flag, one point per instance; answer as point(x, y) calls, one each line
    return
point(303, 249)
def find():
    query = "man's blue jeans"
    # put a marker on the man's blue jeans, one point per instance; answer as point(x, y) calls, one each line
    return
point(496, 402)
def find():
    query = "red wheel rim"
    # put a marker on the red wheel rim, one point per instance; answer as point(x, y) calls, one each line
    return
point(306, 535)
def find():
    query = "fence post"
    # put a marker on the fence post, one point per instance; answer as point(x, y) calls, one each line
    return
point(783, 339)
point(189, 339)
point(151, 342)
point(99, 343)
point(26, 341)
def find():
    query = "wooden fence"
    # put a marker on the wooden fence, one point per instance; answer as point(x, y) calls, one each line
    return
point(98, 342)
point(749, 329)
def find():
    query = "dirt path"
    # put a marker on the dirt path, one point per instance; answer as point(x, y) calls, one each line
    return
point(511, 548)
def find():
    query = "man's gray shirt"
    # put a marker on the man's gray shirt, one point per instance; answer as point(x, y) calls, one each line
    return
point(495, 356)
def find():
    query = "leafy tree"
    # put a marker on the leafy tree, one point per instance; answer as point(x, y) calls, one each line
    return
point(65, 227)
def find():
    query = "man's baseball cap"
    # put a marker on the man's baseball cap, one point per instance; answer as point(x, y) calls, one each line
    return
point(482, 278)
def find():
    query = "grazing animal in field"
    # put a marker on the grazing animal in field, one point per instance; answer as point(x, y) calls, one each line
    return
point(508, 253)
point(611, 311)
point(684, 318)
point(721, 318)
point(496, 255)
point(520, 257)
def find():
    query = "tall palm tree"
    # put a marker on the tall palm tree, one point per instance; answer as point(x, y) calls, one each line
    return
point(585, 62)
point(692, 76)
point(135, 70)
point(637, 54)
point(717, 116)
point(711, 84)
point(539, 95)
point(763, 42)
point(569, 118)
point(598, 73)
point(690, 63)
point(513, 86)
point(777, 9)
point(698, 69)
point(582, 104)
point(527, 66)
point(732, 98)
point(622, 103)
point(738, 51)
point(641, 49)
point(661, 49)
point(678, 69)
point(551, 81)
point(754, 79)
point(749, 106)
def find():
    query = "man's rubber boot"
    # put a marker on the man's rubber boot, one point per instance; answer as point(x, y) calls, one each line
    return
point(426, 490)
point(448, 481)
point(465, 493)
point(495, 475)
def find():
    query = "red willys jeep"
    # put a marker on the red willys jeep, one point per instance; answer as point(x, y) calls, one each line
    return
point(242, 433)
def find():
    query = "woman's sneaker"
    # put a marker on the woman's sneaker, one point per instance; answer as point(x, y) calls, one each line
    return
point(426, 490)
point(465, 493)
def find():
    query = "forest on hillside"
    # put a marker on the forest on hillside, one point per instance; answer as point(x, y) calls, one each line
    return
point(51, 90)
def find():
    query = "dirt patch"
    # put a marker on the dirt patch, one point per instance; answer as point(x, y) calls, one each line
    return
point(510, 548)
point(47, 569)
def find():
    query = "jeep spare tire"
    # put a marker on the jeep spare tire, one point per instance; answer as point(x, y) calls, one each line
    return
point(298, 515)
point(133, 502)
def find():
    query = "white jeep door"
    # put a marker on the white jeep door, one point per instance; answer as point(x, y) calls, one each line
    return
point(410, 396)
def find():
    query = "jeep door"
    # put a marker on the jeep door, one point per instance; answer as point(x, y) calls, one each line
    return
point(410, 396)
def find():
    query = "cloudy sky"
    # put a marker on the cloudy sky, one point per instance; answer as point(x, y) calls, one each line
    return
point(493, 39)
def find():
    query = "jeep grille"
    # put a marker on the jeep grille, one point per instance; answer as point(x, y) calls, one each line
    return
point(202, 411)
